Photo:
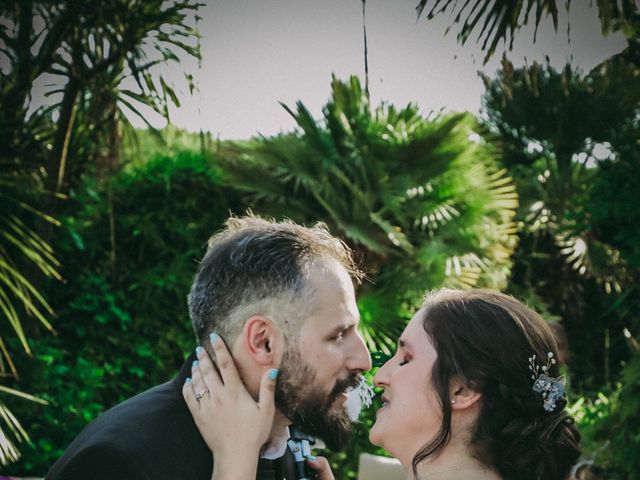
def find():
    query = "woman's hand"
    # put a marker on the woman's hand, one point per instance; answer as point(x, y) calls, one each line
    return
point(232, 423)
point(321, 467)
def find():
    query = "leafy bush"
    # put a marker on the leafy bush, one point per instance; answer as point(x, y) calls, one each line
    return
point(609, 423)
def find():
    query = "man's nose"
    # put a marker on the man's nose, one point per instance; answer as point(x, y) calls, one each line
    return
point(360, 358)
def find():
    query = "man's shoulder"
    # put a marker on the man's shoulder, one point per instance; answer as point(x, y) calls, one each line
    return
point(156, 410)
point(153, 402)
point(99, 461)
point(145, 433)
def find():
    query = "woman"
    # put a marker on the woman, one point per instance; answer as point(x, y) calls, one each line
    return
point(473, 392)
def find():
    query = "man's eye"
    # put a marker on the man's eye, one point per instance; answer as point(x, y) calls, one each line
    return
point(404, 362)
point(340, 338)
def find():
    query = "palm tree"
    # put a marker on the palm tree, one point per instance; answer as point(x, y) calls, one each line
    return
point(119, 42)
point(499, 20)
point(422, 200)
point(558, 124)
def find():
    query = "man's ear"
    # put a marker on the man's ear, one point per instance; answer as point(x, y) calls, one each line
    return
point(462, 396)
point(263, 340)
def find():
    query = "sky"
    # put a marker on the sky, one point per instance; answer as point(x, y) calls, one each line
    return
point(257, 53)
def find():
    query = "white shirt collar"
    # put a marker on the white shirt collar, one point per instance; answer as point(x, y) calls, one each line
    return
point(277, 446)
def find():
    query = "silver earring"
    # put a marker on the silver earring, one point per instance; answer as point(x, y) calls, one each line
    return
point(452, 402)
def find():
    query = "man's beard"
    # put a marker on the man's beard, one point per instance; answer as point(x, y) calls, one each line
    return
point(313, 411)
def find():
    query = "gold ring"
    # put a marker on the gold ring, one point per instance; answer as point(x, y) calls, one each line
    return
point(202, 394)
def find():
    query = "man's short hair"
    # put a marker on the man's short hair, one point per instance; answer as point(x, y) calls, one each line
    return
point(260, 267)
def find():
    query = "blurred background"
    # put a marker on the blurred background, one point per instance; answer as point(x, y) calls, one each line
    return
point(480, 143)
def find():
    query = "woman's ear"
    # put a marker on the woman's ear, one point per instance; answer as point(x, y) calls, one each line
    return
point(263, 340)
point(462, 396)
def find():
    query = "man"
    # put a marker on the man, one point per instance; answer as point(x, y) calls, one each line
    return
point(281, 296)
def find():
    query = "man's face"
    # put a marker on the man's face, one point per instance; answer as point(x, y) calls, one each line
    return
point(325, 360)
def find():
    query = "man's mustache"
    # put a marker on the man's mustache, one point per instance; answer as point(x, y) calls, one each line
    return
point(343, 384)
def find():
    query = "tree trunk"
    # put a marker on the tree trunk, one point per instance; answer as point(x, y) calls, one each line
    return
point(55, 178)
point(62, 138)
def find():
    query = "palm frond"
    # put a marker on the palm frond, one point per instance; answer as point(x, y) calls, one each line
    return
point(21, 246)
point(499, 21)
point(13, 432)
point(590, 257)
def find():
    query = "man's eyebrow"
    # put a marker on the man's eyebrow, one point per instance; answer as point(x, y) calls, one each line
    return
point(404, 344)
point(339, 328)
point(343, 326)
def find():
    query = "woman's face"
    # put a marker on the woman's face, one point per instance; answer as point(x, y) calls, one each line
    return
point(411, 414)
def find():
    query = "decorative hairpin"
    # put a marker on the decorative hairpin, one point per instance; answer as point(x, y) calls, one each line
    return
point(551, 388)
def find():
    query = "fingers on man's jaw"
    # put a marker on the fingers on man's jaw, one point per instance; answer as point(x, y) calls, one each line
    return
point(214, 338)
point(226, 365)
point(210, 370)
point(220, 350)
point(271, 378)
point(207, 370)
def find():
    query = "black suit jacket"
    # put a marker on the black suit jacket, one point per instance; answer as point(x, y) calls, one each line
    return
point(149, 436)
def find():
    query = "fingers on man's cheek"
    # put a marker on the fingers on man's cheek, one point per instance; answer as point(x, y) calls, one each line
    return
point(195, 372)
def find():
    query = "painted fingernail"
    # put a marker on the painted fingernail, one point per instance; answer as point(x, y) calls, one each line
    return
point(187, 380)
point(195, 364)
point(214, 337)
point(311, 458)
point(199, 350)
point(273, 373)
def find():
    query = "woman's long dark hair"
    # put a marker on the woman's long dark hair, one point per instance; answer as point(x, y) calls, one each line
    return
point(485, 339)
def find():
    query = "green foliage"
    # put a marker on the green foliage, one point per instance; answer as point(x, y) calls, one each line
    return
point(624, 427)
point(570, 143)
point(500, 20)
point(89, 51)
point(22, 251)
point(129, 249)
point(117, 78)
point(567, 136)
point(21, 248)
point(613, 202)
point(610, 425)
point(169, 141)
point(422, 200)
point(556, 125)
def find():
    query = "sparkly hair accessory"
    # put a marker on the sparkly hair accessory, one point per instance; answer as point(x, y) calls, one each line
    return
point(551, 388)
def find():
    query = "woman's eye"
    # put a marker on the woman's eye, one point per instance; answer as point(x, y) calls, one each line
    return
point(404, 362)
point(340, 338)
